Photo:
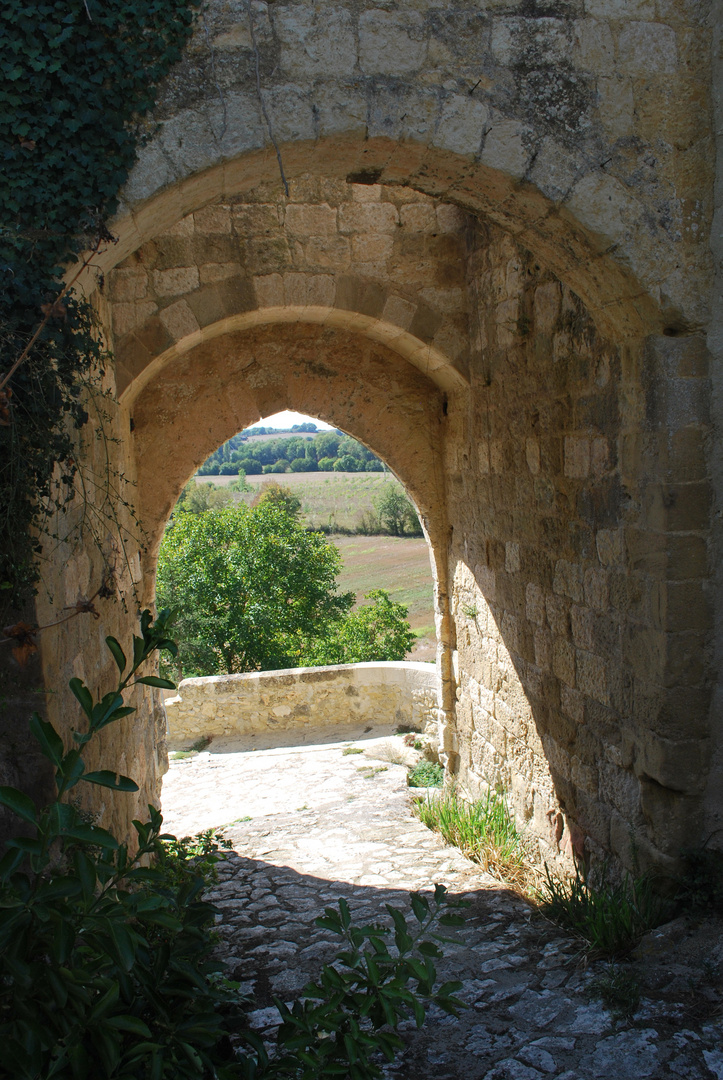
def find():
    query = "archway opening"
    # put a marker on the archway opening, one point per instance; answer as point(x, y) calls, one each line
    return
point(374, 556)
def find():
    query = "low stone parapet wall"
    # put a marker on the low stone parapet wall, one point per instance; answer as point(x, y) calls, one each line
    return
point(392, 694)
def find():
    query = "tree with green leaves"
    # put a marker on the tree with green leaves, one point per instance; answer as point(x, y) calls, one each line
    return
point(396, 513)
point(196, 498)
point(375, 631)
point(251, 587)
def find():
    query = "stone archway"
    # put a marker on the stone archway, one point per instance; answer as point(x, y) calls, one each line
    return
point(573, 436)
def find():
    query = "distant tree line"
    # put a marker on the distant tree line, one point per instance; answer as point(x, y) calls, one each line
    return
point(326, 451)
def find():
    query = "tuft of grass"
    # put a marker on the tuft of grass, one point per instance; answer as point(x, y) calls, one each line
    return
point(198, 746)
point(484, 831)
point(351, 750)
point(426, 774)
point(610, 916)
point(618, 990)
point(370, 771)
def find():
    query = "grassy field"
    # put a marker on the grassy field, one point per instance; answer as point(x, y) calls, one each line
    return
point(329, 501)
point(398, 564)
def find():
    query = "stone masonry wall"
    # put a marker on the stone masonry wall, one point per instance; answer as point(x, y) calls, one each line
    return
point(565, 581)
point(345, 696)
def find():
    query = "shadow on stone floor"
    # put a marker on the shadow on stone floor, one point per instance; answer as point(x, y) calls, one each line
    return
point(529, 1010)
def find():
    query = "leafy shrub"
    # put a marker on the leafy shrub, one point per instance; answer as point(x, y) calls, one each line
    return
point(376, 631)
point(610, 916)
point(106, 967)
point(426, 774)
point(341, 1024)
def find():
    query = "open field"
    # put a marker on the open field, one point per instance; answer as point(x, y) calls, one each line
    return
point(399, 565)
point(329, 501)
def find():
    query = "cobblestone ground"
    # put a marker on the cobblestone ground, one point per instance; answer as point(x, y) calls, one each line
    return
point(311, 824)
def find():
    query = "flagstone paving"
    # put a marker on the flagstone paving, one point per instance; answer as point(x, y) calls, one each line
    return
point(311, 824)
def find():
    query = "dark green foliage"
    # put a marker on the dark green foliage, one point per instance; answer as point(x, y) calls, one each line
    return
point(701, 886)
point(618, 990)
point(251, 587)
point(396, 513)
point(105, 963)
point(426, 774)
point(76, 77)
point(290, 454)
point(341, 1025)
point(375, 631)
point(610, 916)
point(106, 966)
point(255, 591)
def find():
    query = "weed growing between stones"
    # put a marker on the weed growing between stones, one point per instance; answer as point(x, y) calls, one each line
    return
point(106, 958)
point(426, 774)
point(484, 831)
point(618, 990)
point(198, 746)
point(610, 916)
point(370, 771)
point(196, 855)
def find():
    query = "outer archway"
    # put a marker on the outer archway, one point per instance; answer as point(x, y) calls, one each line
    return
point(576, 482)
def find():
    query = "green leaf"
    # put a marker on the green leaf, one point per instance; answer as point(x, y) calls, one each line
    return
point(107, 778)
point(126, 950)
point(58, 889)
point(70, 770)
point(86, 871)
point(118, 654)
point(155, 680)
point(104, 1003)
point(19, 803)
point(83, 694)
point(26, 844)
point(104, 710)
point(92, 834)
point(51, 744)
point(420, 907)
point(9, 863)
point(428, 948)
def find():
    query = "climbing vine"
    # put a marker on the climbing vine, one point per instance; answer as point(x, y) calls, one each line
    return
point(77, 77)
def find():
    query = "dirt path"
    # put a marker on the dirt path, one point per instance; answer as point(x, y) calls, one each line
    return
point(324, 825)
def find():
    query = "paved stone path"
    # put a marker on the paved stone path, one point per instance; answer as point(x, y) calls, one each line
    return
point(311, 824)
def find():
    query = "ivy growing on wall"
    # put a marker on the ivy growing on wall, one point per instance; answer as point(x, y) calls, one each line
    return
point(77, 77)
